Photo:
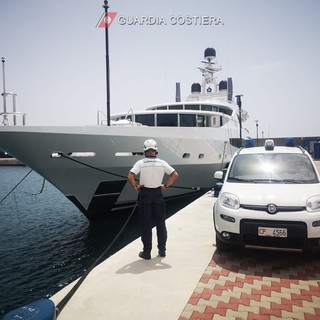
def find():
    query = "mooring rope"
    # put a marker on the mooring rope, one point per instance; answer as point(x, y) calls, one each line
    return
point(69, 295)
point(41, 190)
point(15, 186)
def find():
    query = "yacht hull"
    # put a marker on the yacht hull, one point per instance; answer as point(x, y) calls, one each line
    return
point(95, 180)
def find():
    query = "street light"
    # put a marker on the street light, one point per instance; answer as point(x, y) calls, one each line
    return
point(106, 7)
point(4, 94)
point(257, 126)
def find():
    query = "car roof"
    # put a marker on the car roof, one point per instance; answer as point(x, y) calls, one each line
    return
point(277, 149)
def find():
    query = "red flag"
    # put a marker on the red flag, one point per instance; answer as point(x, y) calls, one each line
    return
point(106, 20)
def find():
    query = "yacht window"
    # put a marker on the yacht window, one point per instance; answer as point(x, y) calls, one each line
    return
point(224, 120)
point(206, 108)
point(187, 120)
point(120, 118)
point(167, 120)
point(179, 107)
point(191, 107)
point(226, 111)
point(145, 119)
point(162, 108)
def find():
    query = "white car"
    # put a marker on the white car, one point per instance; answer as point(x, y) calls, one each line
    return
point(270, 198)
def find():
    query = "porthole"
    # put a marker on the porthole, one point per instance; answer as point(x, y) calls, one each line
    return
point(128, 154)
point(81, 154)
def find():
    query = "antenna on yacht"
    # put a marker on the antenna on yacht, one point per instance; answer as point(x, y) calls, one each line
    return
point(209, 69)
point(106, 7)
point(178, 93)
point(230, 89)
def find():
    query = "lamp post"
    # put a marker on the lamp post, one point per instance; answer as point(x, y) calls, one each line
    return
point(4, 94)
point(257, 126)
point(239, 103)
point(106, 7)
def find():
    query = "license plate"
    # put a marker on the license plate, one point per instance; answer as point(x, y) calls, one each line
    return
point(272, 232)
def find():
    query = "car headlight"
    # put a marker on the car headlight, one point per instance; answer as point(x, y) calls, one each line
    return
point(229, 200)
point(313, 204)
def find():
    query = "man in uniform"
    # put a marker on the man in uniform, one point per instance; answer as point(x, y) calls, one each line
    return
point(151, 202)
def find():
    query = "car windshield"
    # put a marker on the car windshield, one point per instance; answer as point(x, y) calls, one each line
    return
point(272, 168)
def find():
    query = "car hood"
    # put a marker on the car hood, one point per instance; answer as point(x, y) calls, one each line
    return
point(279, 194)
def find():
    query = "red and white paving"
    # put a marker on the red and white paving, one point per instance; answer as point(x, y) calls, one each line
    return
point(257, 285)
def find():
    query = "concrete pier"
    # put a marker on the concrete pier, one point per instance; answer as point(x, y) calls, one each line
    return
point(127, 287)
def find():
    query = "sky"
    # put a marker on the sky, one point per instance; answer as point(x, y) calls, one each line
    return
point(55, 58)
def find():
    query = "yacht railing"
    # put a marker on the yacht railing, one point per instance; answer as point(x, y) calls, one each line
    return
point(5, 115)
point(104, 122)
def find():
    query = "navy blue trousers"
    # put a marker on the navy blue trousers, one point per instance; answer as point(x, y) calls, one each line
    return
point(152, 211)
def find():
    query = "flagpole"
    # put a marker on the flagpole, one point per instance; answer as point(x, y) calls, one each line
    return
point(106, 6)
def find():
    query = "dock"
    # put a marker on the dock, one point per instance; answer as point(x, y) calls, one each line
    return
point(128, 287)
point(195, 282)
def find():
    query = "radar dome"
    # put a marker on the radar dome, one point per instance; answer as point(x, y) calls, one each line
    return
point(196, 88)
point(210, 54)
point(223, 85)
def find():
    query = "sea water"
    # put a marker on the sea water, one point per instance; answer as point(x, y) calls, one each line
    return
point(45, 241)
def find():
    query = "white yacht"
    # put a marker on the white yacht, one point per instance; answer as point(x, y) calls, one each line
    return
point(89, 164)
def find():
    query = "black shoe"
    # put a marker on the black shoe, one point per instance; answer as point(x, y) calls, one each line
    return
point(162, 253)
point(144, 255)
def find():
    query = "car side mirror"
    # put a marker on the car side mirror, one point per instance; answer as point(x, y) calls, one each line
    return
point(218, 176)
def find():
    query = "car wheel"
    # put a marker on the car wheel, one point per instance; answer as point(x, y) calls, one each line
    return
point(221, 246)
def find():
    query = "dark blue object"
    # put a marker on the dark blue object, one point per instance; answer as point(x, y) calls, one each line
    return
point(217, 189)
point(249, 143)
point(290, 142)
point(223, 85)
point(37, 310)
point(210, 52)
point(196, 88)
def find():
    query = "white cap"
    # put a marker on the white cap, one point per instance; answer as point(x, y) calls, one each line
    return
point(150, 144)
